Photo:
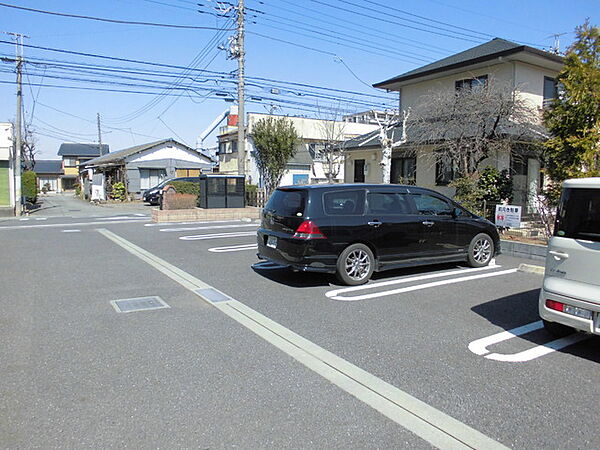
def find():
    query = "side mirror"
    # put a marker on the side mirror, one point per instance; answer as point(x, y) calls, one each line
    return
point(456, 212)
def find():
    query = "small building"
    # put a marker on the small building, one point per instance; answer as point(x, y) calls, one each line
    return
point(142, 167)
point(48, 173)
point(73, 155)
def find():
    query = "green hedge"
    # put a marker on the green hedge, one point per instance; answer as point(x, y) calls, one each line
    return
point(29, 186)
point(186, 187)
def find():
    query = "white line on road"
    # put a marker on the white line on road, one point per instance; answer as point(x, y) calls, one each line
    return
point(417, 287)
point(233, 248)
point(201, 237)
point(71, 231)
point(432, 425)
point(173, 230)
point(404, 280)
point(480, 346)
point(75, 224)
point(166, 224)
point(41, 218)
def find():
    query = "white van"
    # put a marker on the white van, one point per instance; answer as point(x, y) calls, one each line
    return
point(570, 295)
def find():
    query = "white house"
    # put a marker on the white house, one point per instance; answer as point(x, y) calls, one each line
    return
point(142, 167)
point(307, 166)
point(530, 71)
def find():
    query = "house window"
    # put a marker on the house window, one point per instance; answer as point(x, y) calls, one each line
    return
point(316, 150)
point(404, 170)
point(550, 92)
point(151, 177)
point(70, 162)
point(445, 169)
point(359, 170)
point(471, 84)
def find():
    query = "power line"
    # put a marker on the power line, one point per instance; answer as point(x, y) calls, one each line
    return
point(362, 14)
point(102, 19)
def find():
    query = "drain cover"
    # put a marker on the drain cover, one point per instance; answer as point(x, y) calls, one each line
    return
point(212, 295)
point(138, 304)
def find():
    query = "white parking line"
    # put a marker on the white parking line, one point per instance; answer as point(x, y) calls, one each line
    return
point(71, 231)
point(167, 224)
point(427, 422)
point(480, 346)
point(76, 224)
point(174, 230)
point(338, 294)
point(233, 248)
point(200, 237)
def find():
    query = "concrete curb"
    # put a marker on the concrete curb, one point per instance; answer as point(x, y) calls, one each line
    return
point(522, 250)
point(530, 268)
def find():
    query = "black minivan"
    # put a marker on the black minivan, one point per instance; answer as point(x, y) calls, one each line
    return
point(353, 230)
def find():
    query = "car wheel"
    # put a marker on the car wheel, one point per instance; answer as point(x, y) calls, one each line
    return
point(355, 264)
point(481, 250)
point(557, 329)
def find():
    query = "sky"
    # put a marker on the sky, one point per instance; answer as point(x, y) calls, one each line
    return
point(315, 58)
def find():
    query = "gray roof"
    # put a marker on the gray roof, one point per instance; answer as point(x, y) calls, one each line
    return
point(48, 167)
point(493, 49)
point(120, 155)
point(302, 156)
point(74, 149)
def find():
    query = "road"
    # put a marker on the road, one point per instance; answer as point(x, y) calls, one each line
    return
point(253, 356)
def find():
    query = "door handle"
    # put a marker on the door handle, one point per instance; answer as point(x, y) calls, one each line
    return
point(428, 223)
point(558, 255)
point(375, 223)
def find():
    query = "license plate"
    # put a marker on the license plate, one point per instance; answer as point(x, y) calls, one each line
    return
point(272, 241)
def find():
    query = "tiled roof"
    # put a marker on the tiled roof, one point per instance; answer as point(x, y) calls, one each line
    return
point(48, 167)
point(75, 149)
point(490, 50)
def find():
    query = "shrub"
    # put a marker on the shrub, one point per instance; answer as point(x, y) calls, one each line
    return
point(78, 189)
point(180, 201)
point(495, 186)
point(186, 187)
point(29, 186)
point(468, 193)
point(118, 191)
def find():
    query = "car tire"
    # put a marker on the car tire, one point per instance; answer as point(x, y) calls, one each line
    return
point(557, 329)
point(481, 250)
point(355, 265)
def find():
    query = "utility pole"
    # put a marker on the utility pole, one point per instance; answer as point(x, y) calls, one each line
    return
point(19, 115)
point(241, 147)
point(99, 134)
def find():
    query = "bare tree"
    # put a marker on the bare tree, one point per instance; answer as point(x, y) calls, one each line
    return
point(473, 123)
point(28, 144)
point(330, 151)
point(387, 126)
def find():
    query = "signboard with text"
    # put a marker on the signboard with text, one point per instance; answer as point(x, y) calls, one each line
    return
point(508, 216)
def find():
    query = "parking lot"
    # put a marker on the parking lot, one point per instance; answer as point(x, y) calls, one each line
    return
point(253, 355)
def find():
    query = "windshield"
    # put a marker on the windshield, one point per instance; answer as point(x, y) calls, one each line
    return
point(578, 215)
point(287, 202)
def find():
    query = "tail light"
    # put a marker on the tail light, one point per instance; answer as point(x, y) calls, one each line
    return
point(308, 230)
point(557, 306)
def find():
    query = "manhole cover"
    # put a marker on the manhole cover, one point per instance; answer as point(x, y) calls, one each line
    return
point(127, 305)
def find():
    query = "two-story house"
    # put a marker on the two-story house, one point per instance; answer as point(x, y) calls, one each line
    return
point(308, 165)
point(73, 155)
point(530, 72)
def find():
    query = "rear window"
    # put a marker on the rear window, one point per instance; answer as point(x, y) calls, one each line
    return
point(287, 202)
point(344, 202)
point(578, 214)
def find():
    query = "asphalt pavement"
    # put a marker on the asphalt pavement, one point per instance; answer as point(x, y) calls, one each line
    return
point(416, 358)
